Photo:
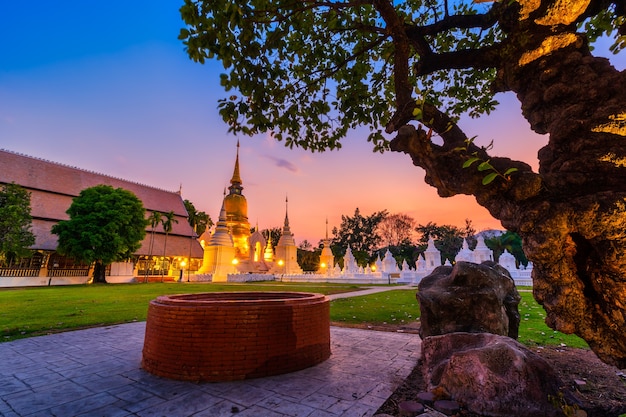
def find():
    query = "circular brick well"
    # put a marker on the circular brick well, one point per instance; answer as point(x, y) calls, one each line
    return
point(228, 336)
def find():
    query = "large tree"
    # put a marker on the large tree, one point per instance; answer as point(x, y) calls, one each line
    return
point(397, 229)
point(359, 233)
point(15, 223)
point(309, 71)
point(106, 225)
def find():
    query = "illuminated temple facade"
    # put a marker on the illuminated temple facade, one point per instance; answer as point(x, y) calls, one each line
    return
point(233, 249)
point(236, 208)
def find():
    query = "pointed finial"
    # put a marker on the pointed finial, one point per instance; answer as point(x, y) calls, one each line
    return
point(180, 189)
point(286, 213)
point(326, 227)
point(235, 181)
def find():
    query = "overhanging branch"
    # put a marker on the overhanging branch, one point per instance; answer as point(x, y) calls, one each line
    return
point(482, 58)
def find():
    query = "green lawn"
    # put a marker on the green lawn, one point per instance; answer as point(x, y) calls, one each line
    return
point(534, 332)
point(400, 306)
point(34, 311)
point(390, 307)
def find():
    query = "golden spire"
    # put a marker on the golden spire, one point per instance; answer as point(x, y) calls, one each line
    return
point(236, 179)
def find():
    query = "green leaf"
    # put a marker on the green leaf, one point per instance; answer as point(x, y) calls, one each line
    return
point(489, 178)
point(470, 162)
point(485, 166)
point(509, 171)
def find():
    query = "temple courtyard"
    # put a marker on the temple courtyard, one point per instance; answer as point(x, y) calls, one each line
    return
point(97, 372)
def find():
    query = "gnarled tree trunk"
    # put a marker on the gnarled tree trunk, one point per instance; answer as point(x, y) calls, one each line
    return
point(571, 215)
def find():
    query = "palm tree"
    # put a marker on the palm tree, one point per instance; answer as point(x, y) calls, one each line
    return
point(154, 219)
point(167, 222)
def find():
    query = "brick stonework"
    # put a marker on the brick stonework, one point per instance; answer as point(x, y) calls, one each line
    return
point(235, 335)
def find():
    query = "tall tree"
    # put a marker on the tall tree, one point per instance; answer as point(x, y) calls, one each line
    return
point(167, 221)
point(15, 223)
point(305, 245)
point(309, 71)
point(359, 233)
point(397, 229)
point(154, 220)
point(309, 260)
point(198, 220)
point(106, 225)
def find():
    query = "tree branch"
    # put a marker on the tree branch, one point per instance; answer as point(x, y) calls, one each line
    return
point(487, 57)
point(481, 21)
point(395, 28)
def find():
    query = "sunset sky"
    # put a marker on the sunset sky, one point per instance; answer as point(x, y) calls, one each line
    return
point(107, 87)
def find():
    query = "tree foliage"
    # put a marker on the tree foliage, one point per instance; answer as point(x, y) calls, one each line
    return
point(106, 225)
point(15, 223)
point(309, 260)
point(308, 72)
point(509, 241)
point(358, 232)
point(397, 230)
point(198, 220)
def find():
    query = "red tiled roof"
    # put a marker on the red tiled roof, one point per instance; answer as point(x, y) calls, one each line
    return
point(53, 186)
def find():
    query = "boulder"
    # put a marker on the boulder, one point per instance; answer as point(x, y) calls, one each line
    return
point(492, 375)
point(469, 297)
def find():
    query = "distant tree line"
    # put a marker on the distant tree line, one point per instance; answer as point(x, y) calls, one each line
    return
point(370, 236)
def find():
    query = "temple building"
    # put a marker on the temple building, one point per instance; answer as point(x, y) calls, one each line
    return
point(236, 207)
point(327, 259)
point(53, 186)
point(287, 251)
point(219, 251)
point(244, 252)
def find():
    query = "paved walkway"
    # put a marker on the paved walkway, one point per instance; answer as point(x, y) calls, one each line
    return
point(96, 372)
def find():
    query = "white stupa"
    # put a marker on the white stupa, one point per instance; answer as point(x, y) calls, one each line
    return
point(219, 252)
point(286, 259)
point(432, 255)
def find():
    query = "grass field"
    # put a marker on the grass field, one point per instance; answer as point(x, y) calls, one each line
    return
point(33, 311)
point(400, 306)
point(26, 312)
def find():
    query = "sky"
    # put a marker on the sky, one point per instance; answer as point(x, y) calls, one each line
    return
point(108, 87)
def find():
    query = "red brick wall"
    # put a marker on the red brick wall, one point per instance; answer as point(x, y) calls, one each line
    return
point(233, 336)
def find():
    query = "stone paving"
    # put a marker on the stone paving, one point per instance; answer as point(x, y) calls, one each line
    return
point(96, 372)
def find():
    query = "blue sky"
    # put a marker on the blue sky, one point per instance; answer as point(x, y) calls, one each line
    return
point(107, 87)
